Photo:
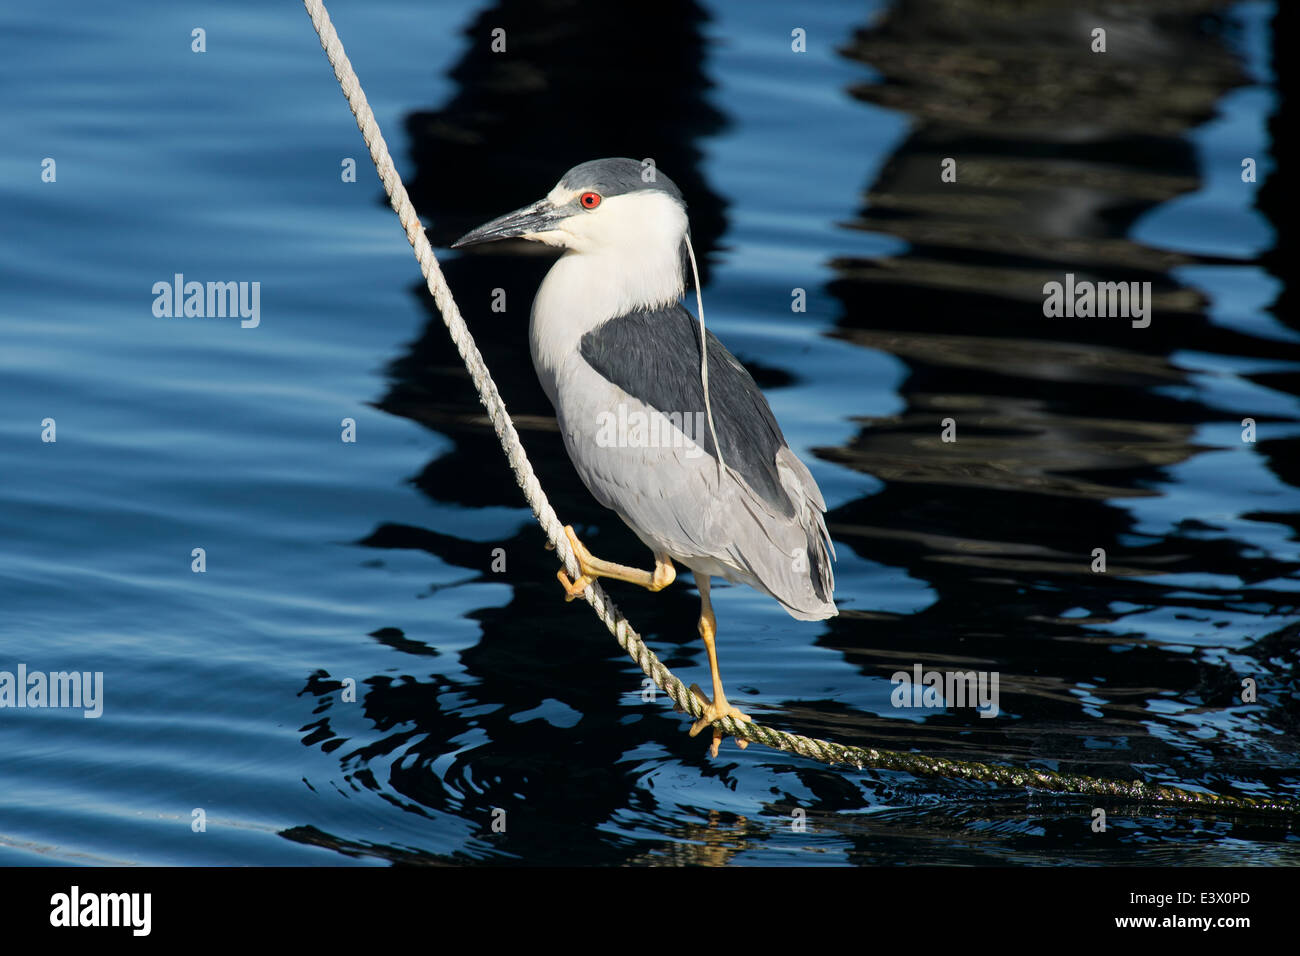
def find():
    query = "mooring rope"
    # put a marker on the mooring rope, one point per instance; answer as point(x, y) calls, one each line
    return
point(821, 750)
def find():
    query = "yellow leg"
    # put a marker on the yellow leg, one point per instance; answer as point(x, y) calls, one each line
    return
point(592, 567)
point(717, 708)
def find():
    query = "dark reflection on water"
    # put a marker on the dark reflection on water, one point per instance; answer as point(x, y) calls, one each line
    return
point(1060, 420)
point(1073, 435)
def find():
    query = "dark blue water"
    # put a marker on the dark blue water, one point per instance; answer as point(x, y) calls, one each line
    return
point(371, 562)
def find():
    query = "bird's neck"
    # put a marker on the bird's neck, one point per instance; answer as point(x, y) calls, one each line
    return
point(583, 290)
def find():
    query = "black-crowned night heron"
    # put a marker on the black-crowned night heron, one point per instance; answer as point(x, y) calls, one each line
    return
point(619, 358)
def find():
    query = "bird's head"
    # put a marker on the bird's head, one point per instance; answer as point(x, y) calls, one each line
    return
point(615, 206)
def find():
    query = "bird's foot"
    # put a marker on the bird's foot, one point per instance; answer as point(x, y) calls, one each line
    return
point(716, 711)
point(573, 589)
point(591, 567)
point(576, 587)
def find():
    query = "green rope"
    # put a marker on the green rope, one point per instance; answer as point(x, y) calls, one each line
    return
point(921, 765)
point(862, 758)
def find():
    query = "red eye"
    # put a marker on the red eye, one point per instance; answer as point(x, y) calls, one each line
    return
point(590, 200)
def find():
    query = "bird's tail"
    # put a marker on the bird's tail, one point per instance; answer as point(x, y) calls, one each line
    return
point(809, 594)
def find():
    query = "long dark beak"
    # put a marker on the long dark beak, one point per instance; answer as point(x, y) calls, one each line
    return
point(541, 216)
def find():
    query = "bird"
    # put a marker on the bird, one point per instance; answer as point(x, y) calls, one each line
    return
point(701, 473)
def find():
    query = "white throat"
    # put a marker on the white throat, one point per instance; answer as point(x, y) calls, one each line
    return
point(627, 259)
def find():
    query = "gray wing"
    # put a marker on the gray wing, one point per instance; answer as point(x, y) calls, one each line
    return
point(654, 355)
point(760, 521)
